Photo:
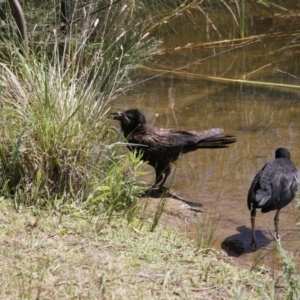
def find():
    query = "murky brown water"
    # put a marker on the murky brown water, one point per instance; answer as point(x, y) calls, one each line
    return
point(262, 117)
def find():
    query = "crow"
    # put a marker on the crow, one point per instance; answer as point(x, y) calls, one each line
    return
point(160, 147)
point(272, 188)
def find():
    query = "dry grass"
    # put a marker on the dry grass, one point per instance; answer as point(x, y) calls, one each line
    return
point(52, 256)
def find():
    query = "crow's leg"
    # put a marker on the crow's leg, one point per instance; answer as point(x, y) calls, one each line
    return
point(161, 175)
point(253, 242)
point(167, 172)
point(276, 221)
point(158, 176)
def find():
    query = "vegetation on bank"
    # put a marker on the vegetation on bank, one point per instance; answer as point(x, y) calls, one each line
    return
point(57, 146)
point(64, 178)
point(57, 255)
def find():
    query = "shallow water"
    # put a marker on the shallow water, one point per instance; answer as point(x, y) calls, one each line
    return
point(262, 117)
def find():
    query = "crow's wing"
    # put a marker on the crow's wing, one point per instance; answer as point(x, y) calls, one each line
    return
point(173, 142)
point(255, 186)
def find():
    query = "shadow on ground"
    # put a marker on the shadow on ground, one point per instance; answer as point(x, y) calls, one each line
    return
point(240, 243)
point(177, 212)
point(166, 193)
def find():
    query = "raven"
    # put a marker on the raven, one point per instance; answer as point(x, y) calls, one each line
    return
point(272, 188)
point(160, 147)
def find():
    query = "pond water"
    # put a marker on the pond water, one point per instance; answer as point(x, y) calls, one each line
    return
point(263, 117)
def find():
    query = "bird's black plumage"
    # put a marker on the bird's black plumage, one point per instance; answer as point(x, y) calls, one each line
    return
point(273, 187)
point(160, 147)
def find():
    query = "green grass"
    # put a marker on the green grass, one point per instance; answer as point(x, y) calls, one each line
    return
point(289, 273)
point(49, 255)
point(57, 145)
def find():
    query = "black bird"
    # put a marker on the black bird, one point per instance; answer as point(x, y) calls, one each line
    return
point(273, 187)
point(160, 147)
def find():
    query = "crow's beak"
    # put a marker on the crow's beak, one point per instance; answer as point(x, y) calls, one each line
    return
point(116, 115)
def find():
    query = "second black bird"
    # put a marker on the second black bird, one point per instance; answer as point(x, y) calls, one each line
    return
point(160, 147)
point(272, 188)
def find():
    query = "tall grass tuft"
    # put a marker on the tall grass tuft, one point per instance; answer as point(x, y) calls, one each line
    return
point(56, 141)
point(289, 272)
point(206, 231)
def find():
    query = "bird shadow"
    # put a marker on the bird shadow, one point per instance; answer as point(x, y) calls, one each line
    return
point(166, 193)
point(240, 243)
